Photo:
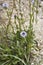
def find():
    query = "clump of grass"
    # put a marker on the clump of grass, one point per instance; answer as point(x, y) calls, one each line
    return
point(15, 48)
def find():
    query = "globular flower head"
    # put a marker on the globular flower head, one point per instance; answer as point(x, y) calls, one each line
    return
point(23, 34)
point(32, 1)
point(5, 5)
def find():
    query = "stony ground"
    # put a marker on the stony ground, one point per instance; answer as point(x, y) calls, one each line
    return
point(37, 27)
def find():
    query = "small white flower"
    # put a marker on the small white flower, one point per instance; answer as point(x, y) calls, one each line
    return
point(23, 34)
point(32, 63)
point(5, 5)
